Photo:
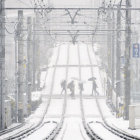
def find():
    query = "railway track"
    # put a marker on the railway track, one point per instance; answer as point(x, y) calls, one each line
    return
point(118, 133)
point(67, 129)
point(58, 128)
point(87, 128)
point(34, 127)
point(8, 130)
point(5, 131)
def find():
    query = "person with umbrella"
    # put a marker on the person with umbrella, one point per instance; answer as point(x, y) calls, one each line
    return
point(81, 87)
point(94, 85)
point(71, 86)
point(64, 86)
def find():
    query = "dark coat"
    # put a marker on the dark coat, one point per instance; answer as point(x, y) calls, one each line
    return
point(81, 86)
point(94, 85)
point(63, 84)
point(71, 86)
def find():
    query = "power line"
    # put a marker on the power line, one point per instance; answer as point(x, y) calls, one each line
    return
point(24, 3)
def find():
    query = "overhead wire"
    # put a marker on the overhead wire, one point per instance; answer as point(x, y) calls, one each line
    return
point(13, 32)
point(43, 13)
point(26, 4)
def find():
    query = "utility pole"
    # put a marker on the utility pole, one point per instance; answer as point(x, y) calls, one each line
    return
point(118, 54)
point(30, 62)
point(109, 92)
point(37, 53)
point(34, 55)
point(16, 80)
point(127, 59)
point(2, 64)
point(20, 66)
point(113, 49)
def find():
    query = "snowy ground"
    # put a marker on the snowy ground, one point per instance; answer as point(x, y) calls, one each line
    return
point(73, 128)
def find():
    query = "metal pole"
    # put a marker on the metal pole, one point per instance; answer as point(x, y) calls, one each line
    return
point(16, 82)
point(30, 62)
point(38, 53)
point(20, 67)
point(2, 64)
point(127, 59)
point(118, 55)
point(113, 50)
point(34, 55)
point(109, 92)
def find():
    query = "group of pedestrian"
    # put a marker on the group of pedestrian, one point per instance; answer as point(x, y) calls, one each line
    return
point(71, 87)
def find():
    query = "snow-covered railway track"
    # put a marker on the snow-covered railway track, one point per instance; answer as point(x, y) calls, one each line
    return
point(6, 131)
point(25, 132)
point(58, 128)
point(110, 130)
point(87, 128)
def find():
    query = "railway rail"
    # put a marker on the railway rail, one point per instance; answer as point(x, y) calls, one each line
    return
point(8, 130)
point(57, 129)
point(111, 129)
point(5, 131)
point(34, 127)
point(87, 128)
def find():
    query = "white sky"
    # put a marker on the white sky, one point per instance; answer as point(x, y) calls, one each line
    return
point(56, 3)
point(67, 3)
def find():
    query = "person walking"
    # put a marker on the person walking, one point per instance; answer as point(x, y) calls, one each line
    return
point(94, 88)
point(81, 87)
point(63, 86)
point(71, 87)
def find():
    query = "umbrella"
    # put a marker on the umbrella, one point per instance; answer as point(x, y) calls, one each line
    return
point(91, 79)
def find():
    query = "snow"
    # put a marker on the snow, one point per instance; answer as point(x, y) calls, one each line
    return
point(40, 133)
point(62, 58)
point(13, 125)
point(73, 55)
point(35, 117)
point(83, 55)
point(36, 96)
point(91, 110)
point(73, 108)
point(103, 133)
point(55, 107)
point(73, 128)
point(123, 125)
point(73, 123)
point(105, 109)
